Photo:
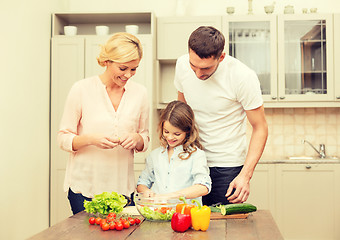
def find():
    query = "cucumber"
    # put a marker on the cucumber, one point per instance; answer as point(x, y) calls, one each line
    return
point(234, 208)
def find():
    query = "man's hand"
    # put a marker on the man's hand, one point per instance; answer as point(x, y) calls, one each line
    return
point(241, 186)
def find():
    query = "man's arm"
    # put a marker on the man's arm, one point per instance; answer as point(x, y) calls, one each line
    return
point(180, 97)
point(257, 143)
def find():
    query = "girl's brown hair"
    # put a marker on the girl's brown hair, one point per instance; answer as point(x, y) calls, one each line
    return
point(180, 115)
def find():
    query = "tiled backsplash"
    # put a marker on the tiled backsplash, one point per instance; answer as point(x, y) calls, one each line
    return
point(289, 126)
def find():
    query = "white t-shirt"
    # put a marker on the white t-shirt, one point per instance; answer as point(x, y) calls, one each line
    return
point(219, 104)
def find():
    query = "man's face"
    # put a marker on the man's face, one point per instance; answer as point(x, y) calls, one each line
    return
point(204, 67)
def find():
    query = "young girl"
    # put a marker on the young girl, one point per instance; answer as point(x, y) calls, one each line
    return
point(179, 166)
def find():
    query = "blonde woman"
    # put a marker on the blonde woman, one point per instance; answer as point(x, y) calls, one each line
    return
point(105, 121)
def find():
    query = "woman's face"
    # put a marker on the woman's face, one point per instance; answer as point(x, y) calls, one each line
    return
point(174, 136)
point(120, 73)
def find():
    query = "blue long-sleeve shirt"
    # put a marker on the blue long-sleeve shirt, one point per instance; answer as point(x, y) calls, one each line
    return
point(164, 176)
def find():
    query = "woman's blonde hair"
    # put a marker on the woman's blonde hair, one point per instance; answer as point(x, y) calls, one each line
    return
point(122, 47)
point(180, 115)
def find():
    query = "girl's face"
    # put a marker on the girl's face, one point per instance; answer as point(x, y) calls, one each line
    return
point(174, 136)
point(120, 73)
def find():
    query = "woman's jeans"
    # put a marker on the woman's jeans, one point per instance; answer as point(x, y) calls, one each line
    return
point(77, 201)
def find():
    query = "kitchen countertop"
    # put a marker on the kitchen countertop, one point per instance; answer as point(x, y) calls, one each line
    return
point(300, 160)
point(258, 226)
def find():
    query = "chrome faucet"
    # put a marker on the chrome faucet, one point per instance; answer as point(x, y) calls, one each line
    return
point(322, 150)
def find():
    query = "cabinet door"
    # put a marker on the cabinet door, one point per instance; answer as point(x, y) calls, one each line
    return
point(173, 34)
point(253, 41)
point(262, 188)
point(305, 57)
point(144, 76)
point(337, 55)
point(307, 201)
point(92, 50)
point(67, 68)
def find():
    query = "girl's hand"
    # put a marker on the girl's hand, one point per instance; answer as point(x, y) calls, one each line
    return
point(148, 193)
point(131, 141)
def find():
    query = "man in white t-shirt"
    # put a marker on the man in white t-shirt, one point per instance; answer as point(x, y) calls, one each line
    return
point(223, 92)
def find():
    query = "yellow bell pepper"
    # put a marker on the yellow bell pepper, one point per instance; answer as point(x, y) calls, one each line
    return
point(200, 216)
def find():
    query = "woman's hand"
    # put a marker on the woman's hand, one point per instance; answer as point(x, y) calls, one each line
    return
point(99, 141)
point(132, 141)
point(104, 142)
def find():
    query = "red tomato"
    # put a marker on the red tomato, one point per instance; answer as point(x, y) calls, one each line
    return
point(126, 224)
point(92, 220)
point(111, 215)
point(98, 220)
point(132, 221)
point(105, 226)
point(119, 226)
point(137, 221)
point(103, 221)
point(112, 225)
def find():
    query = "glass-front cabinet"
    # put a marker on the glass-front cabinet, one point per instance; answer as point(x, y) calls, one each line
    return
point(337, 56)
point(290, 54)
point(304, 51)
point(252, 40)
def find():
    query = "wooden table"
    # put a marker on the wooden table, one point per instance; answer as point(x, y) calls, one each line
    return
point(258, 226)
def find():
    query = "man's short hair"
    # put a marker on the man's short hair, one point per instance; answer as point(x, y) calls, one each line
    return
point(206, 42)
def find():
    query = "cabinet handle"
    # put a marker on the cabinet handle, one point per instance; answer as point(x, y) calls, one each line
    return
point(308, 167)
point(274, 98)
point(282, 97)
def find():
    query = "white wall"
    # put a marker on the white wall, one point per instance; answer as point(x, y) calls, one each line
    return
point(24, 94)
point(24, 116)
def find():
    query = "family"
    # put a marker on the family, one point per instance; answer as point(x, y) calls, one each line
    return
point(203, 150)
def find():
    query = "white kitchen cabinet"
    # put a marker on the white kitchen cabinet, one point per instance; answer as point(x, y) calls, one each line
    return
point(74, 58)
point(173, 34)
point(253, 40)
point(337, 56)
point(262, 188)
point(291, 54)
point(305, 57)
point(172, 42)
point(67, 67)
point(307, 197)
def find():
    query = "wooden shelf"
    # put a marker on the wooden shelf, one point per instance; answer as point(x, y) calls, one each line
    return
point(86, 22)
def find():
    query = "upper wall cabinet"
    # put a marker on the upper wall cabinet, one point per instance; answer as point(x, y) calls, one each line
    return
point(172, 42)
point(253, 40)
point(292, 55)
point(173, 34)
point(305, 57)
point(337, 56)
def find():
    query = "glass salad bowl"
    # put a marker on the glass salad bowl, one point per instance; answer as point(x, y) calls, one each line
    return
point(158, 209)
